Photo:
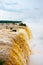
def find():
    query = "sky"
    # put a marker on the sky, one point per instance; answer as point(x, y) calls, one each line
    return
point(21, 10)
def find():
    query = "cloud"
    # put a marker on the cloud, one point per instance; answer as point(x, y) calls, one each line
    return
point(5, 15)
point(36, 8)
point(26, 9)
point(8, 2)
point(9, 5)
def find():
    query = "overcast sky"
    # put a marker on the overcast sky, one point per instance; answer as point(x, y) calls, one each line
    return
point(31, 10)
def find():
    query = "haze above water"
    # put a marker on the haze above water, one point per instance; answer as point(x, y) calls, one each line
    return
point(37, 43)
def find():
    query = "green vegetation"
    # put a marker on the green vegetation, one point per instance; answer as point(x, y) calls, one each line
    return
point(22, 24)
point(9, 21)
point(1, 62)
